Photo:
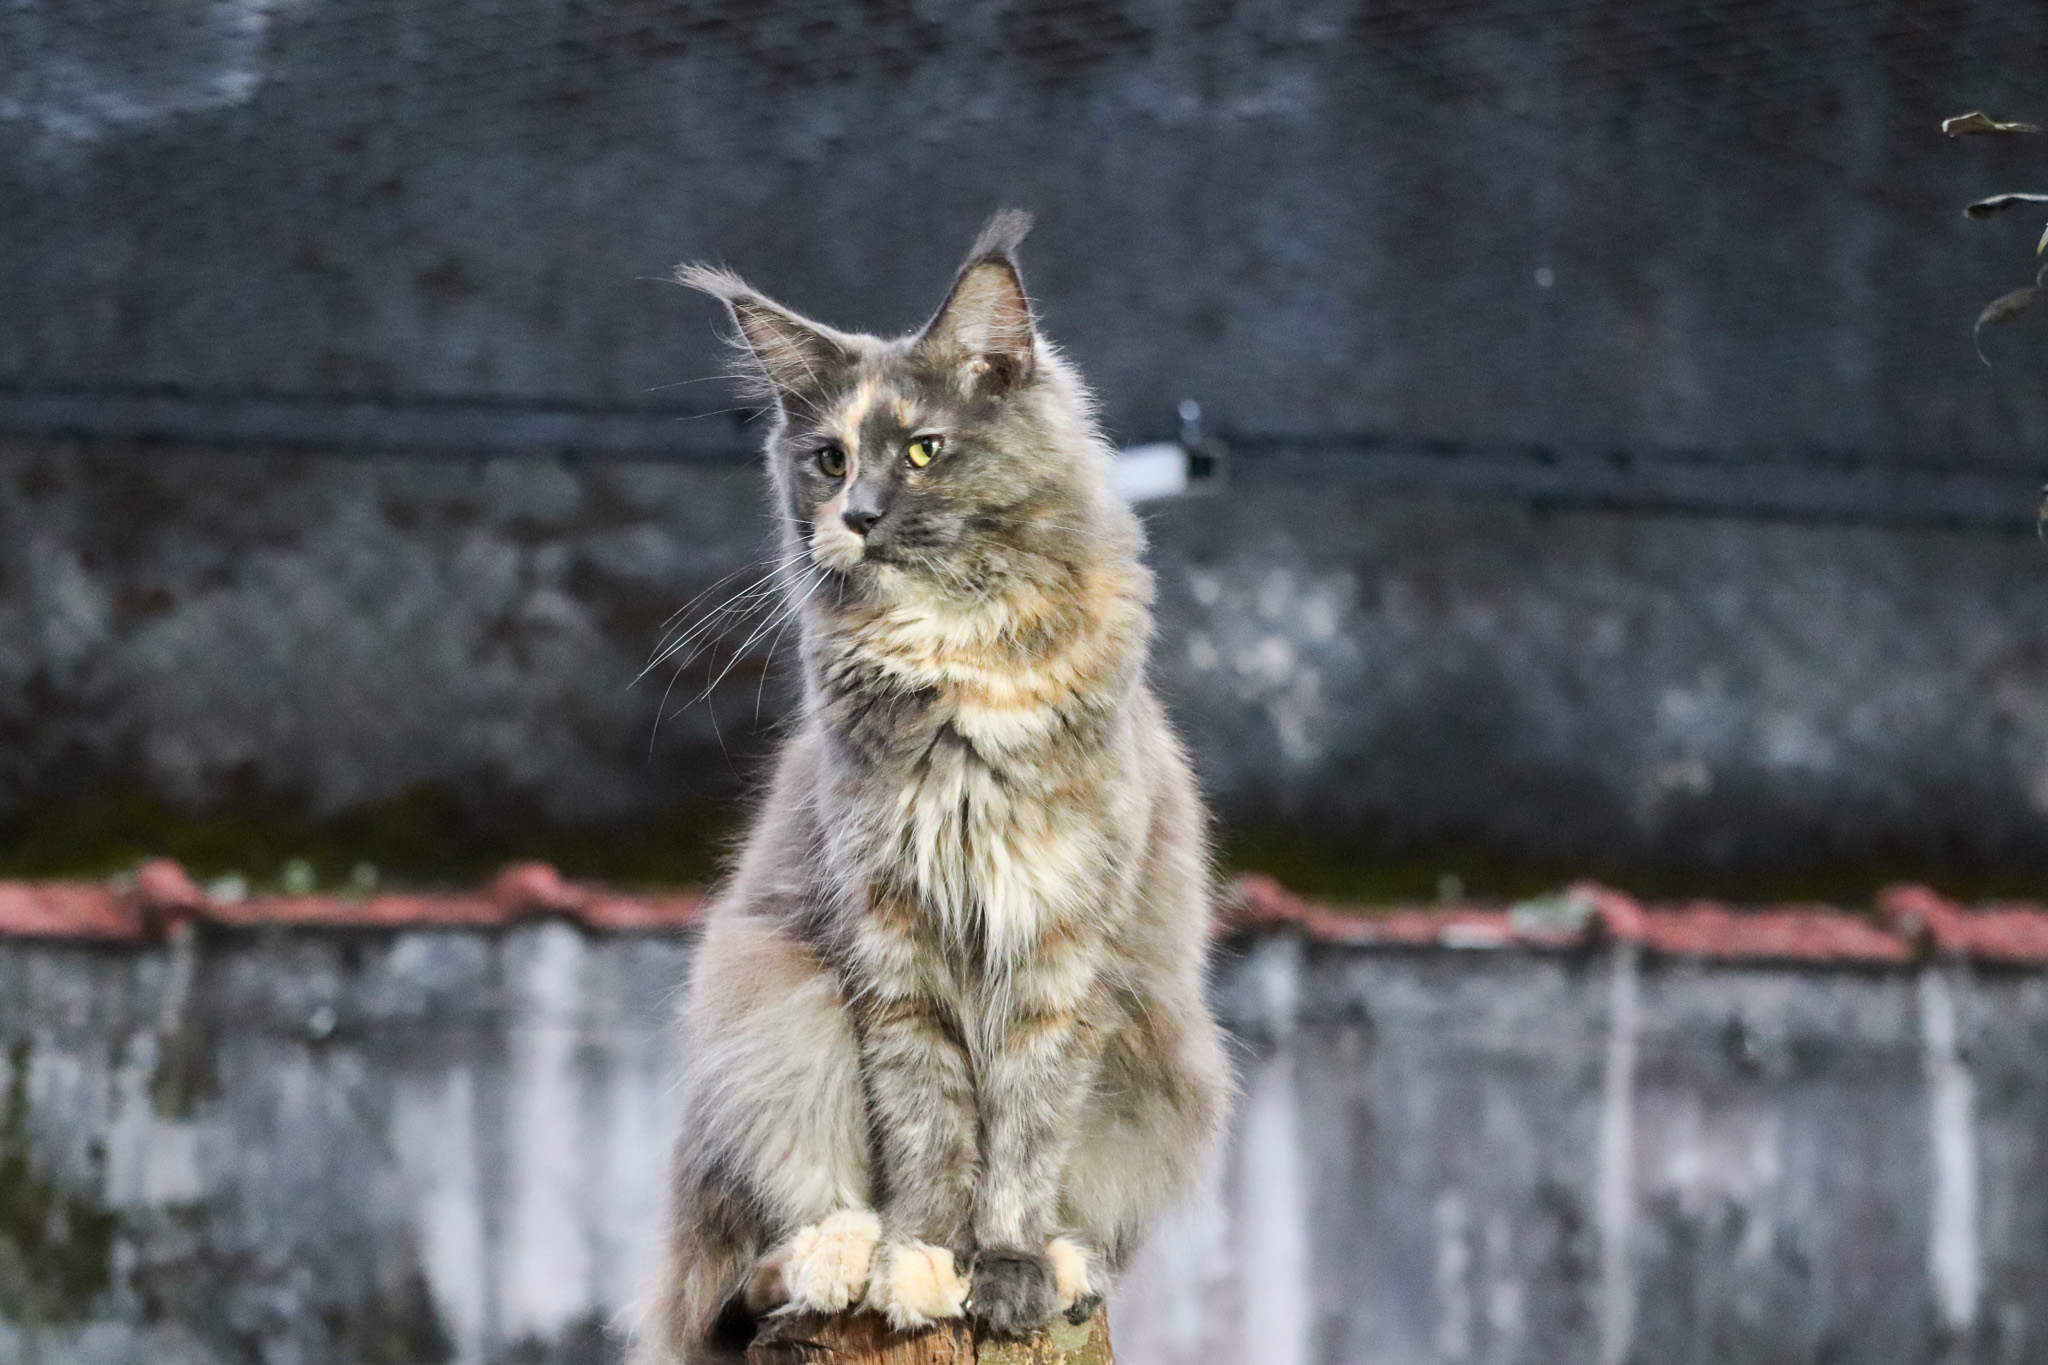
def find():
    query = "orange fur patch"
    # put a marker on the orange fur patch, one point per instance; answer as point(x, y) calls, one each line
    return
point(1028, 647)
point(1030, 1033)
point(1069, 1271)
point(915, 1284)
point(827, 1266)
point(855, 412)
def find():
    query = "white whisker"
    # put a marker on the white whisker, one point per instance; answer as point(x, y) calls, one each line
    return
point(782, 617)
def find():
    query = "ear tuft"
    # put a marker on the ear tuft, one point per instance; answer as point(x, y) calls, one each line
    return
point(985, 324)
point(1001, 235)
point(795, 356)
point(714, 280)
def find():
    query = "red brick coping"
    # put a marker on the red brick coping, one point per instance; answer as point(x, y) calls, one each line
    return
point(160, 893)
point(1911, 922)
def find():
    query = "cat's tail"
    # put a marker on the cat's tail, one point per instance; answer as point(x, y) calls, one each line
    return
point(699, 1311)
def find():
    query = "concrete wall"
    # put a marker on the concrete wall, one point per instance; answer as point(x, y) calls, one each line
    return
point(1320, 218)
point(1446, 276)
point(441, 1145)
point(1415, 682)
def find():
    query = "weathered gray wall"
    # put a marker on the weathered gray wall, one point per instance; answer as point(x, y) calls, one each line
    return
point(1318, 218)
point(349, 629)
point(441, 1146)
point(1412, 258)
point(1409, 676)
point(1672, 698)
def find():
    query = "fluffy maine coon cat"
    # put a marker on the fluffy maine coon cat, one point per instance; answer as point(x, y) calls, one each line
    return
point(949, 1050)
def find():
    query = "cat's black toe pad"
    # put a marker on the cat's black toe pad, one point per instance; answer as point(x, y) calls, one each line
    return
point(1084, 1308)
point(1012, 1294)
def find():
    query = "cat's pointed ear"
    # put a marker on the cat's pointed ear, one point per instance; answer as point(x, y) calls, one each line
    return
point(797, 358)
point(985, 325)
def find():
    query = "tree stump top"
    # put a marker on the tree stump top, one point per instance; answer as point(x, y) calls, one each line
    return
point(865, 1339)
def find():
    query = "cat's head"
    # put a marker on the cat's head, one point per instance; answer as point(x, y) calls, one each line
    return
point(949, 461)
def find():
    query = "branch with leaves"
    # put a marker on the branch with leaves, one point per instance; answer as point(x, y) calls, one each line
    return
point(2005, 307)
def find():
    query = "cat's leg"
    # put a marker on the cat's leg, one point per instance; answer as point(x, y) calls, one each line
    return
point(1031, 1085)
point(771, 1204)
point(1023, 1271)
point(921, 1098)
point(921, 1107)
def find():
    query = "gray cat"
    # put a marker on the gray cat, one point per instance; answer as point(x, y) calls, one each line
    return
point(949, 1049)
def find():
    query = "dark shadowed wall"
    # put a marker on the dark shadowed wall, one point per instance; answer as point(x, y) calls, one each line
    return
point(432, 664)
point(1320, 218)
point(1614, 481)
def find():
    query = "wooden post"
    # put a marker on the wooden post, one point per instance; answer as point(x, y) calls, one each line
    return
point(864, 1339)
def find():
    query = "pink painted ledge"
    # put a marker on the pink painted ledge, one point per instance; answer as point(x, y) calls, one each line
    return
point(161, 893)
point(1911, 923)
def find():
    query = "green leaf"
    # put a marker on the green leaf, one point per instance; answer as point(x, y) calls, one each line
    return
point(2006, 307)
point(1974, 122)
point(1999, 203)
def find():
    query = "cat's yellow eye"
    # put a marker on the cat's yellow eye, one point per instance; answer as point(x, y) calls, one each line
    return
point(833, 461)
point(921, 451)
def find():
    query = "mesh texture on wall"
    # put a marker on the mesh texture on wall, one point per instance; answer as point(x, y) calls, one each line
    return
point(1721, 233)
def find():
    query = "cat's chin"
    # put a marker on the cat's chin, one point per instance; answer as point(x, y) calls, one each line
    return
point(842, 553)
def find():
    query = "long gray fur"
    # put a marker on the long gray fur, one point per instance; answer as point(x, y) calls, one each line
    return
point(949, 1048)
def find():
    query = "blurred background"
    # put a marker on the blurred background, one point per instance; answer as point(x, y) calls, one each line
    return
point(1614, 485)
point(1601, 481)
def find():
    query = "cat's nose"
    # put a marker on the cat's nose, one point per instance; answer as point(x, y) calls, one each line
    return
point(861, 519)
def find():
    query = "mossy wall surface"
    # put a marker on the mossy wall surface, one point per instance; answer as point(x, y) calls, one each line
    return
point(433, 666)
point(429, 666)
point(1722, 244)
point(385, 1150)
point(440, 1146)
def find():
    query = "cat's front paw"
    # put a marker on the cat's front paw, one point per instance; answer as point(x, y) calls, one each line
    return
point(1014, 1293)
point(826, 1268)
point(915, 1284)
point(1073, 1280)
